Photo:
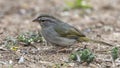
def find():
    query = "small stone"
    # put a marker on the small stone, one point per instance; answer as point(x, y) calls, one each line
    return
point(71, 64)
point(65, 13)
point(21, 60)
point(108, 28)
point(10, 62)
point(22, 11)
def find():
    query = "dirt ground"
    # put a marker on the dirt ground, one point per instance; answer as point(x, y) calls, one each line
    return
point(101, 23)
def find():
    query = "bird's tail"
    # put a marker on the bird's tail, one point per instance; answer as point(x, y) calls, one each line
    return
point(101, 42)
point(85, 39)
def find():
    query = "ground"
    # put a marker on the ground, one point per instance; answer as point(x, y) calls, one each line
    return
point(100, 23)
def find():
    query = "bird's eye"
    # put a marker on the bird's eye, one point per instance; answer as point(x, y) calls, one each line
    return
point(42, 20)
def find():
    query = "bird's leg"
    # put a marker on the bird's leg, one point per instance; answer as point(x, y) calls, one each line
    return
point(44, 41)
point(64, 49)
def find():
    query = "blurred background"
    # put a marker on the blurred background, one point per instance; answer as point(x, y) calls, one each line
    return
point(97, 18)
point(17, 16)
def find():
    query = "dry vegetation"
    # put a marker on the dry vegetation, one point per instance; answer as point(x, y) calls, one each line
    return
point(102, 22)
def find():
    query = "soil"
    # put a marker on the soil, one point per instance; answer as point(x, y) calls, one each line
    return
point(102, 22)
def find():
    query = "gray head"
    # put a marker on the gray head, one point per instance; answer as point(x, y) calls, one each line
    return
point(46, 20)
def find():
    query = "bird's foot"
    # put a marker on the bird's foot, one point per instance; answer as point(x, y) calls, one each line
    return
point(64, 50)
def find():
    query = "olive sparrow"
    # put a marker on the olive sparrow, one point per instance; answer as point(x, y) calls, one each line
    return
point(60, 33)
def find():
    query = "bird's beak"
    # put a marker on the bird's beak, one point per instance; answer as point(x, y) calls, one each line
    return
point(35, 20)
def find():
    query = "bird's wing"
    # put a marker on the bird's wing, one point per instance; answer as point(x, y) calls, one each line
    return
point(66, 30)
point(52, 36)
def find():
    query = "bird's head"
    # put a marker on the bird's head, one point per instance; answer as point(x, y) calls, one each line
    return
point(46, 20)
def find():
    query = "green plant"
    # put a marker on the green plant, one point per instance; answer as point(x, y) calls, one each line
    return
point(84, 55)
point(77, 4)
point(115, 53)
point(10, 42)
point(30, 37)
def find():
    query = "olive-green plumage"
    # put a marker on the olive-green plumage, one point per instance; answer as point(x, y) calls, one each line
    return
point(60, 33)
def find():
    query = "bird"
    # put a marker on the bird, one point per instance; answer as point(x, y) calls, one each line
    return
point(60, 33)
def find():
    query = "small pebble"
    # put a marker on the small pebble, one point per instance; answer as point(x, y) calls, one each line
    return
point(21, 60)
